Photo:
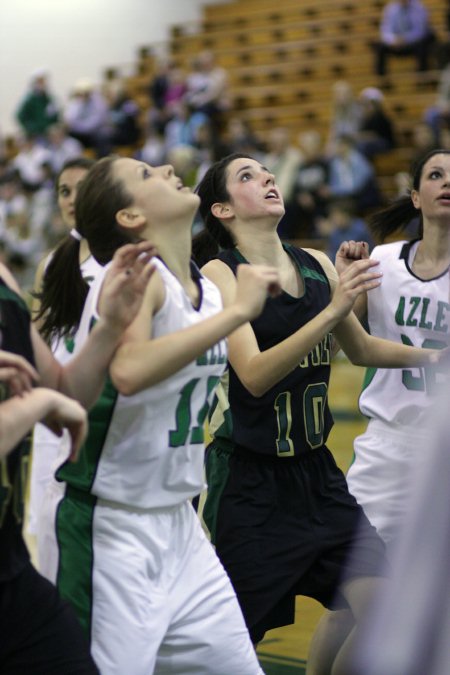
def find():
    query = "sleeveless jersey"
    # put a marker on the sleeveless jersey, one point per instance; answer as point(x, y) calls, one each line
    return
point(49, 451)
point(63, 348)
point(416, 312)
point(147, 450)
point(293, 416)
point(14, 337)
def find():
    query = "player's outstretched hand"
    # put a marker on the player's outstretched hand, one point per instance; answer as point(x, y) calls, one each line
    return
point(361, 276)
point(125, 283)
point(349, 251)
point(16, 373)
point(254, 284)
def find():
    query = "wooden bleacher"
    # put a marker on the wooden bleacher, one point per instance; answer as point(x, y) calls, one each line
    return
point(283, 58)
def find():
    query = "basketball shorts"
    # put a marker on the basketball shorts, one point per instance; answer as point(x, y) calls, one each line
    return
point(286, 527)
point(378, 476)
point(150, 590)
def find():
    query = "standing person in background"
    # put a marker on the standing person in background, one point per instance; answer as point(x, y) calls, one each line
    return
point(411, 307)
point(38, 110)
point(57, 320)
point(278, 507)
point(39, 632)
point(147, 585)
point(405, 29)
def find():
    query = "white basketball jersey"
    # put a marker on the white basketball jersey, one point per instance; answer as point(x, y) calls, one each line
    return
point(153, 450)
point(49, 451)
point(416, 312)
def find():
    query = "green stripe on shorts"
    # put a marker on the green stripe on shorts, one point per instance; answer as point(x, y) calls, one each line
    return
point(74, 533)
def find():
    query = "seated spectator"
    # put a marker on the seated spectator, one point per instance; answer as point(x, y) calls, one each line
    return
point(153, 150)
point(345, 112)
point(443, 46)
point(32, 163)
point(405, 29)
point(438, 115)
point(20, 244)
point(122, 125)
point(310, 193)
point(352, 175)
point(182, 125)
point(239, 137)
point(283, 159)
point(343, 224)
point(375, 134)
point(38, 110)
point(207, 88)
point(86, 114)
point(423, 141)
point(157, 90)
point(61, 147)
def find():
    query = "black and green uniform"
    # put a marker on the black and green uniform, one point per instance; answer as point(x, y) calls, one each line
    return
point(278, 507)
point(39, 633)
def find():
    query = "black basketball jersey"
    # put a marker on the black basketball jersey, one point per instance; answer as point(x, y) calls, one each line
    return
point(293, 416)
point(14, 337)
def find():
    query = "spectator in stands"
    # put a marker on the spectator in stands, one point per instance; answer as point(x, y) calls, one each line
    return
point(343, 224)
point(183, 124)
point(86, 114)
point(443, 46)
point(32, 163)
point(375, 134)
point(352, 175)
point(207, 88)
point(345, 112)
point(438, 115)
point(61, 147)
point(157, 94)
point(310, 193)
point(283, 159)
point(38, 110)
point(20, 244)
point(424, 140)
point(153, 150)
point(122, 127)
point(405, 29)
point(239, 137)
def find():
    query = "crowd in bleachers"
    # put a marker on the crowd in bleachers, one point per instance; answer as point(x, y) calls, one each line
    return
point(190, 119)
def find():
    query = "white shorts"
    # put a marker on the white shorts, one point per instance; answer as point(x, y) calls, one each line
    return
point(379, 475)
point(161, 600)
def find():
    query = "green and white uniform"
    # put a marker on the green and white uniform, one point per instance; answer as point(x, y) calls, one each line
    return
point(404, 308)
point(49, 452)
point(146, 583)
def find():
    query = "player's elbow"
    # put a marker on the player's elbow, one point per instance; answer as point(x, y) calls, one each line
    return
point(122, 380)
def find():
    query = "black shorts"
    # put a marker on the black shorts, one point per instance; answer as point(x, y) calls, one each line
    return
point(287, 527)
point(39, 632)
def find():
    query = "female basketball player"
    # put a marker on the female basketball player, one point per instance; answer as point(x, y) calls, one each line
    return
point(134, 561)
point(56, 319)
point(279, 510)
point(39, 632)
point(411, 307)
